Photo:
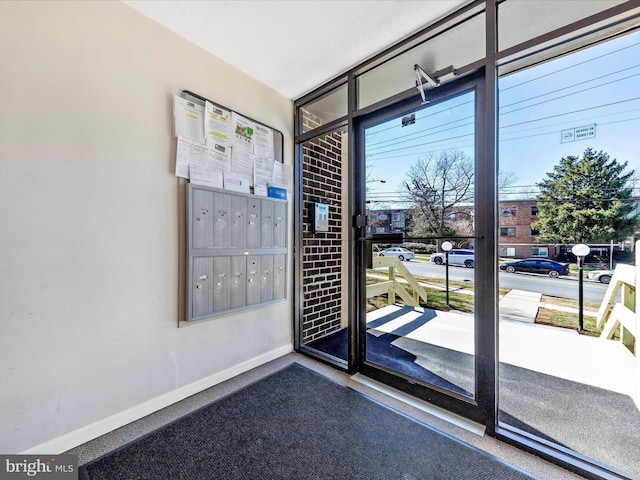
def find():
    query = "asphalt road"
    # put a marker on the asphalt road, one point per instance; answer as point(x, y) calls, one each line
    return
point(558, 287)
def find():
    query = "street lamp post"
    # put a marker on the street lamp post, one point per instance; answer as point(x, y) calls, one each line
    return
point(580, 250)
point(446, 246)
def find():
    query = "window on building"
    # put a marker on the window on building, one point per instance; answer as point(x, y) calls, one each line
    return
point(539, 252)
point(534, 211)
point(507, 231)
point(508, 252)
point(535, 231)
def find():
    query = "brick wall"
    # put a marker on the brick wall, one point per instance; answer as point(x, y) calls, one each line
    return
point(322, 252)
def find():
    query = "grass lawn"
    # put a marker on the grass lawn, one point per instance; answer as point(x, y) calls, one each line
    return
point(557, 318)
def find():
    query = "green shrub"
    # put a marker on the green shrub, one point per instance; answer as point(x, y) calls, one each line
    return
point(417, 247)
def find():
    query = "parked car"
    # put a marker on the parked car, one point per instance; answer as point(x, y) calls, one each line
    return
point(603, 276)
point(537, 265)
point(402, 253)
point(457, 256)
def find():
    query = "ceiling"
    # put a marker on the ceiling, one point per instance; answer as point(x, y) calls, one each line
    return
point(294, 46)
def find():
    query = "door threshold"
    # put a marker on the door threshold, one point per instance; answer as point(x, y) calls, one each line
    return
point(421, 405)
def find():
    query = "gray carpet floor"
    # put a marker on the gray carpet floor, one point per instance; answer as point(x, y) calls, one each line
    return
point(298, 424)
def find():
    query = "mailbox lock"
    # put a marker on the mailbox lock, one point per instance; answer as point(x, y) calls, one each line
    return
point(203, 211)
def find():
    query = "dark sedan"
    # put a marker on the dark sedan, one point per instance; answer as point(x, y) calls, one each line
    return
point(537, 265)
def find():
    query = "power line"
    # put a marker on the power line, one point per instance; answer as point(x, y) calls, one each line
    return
point(574, 111)
point(508, 105)
point(571, 86)
point(573, 122)
point(570, 66)
point(423, 144)
point(452, 147)
point(555, 132)
point(432, 133)
point(447, 107)
point(569, 94)
point(369, 145)
point(379, 144)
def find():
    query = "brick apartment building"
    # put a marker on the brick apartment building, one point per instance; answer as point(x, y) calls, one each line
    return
point(516, 237)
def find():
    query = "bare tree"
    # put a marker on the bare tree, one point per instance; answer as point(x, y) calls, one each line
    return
point(436, 185)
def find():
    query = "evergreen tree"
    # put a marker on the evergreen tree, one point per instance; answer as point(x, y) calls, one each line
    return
point(586, 200)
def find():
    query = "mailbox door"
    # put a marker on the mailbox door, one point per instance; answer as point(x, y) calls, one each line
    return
point(238, 285)
point(221, 283)
point(202, 284)
point(279, 224)
point(202, 214)
point(266, 278)
point(266, 224)
point(253, 279)
point(279, 277)
point(237, 222)
point(253, 223)
point(221, 219)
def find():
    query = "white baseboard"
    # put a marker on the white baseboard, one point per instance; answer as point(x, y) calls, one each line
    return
point(84, 434)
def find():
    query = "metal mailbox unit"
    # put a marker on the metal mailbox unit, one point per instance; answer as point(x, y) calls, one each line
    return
point(237, 247)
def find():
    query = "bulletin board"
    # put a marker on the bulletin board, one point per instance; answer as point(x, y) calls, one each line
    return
point(220, 148)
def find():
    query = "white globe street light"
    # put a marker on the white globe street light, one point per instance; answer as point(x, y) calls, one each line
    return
point(446, 246)
point(580, 250)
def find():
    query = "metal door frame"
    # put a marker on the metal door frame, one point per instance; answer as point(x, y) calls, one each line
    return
point(481, 408)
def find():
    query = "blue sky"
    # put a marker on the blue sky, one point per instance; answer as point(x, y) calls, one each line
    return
point(600, 85)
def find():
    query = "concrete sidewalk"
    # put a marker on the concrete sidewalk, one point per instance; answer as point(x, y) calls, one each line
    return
point(520, 306)
point(552, 350)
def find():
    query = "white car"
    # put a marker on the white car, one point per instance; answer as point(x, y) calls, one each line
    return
point(402, 253)
point(603, 276)
point(457, 256)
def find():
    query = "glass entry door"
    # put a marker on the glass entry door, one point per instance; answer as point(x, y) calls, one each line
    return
point(418, 329)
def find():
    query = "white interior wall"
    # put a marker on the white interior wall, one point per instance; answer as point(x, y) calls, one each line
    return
point(89, 222)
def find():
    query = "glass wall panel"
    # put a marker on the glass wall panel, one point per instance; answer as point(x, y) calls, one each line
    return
point(324, 319)
point(457, 47)
point(325, 109)
point(569, 166)
point(541, 17)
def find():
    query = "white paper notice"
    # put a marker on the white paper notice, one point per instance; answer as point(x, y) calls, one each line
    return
point(283, 176)
point(242, 163)
point(205, 175)
point(236, 183)
point(243, 133)
point(260, 190)
point(262, 171)
point(220, 157)
point(217, 125)
point(188, 119)
point(264, 142)
point(189, 153)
